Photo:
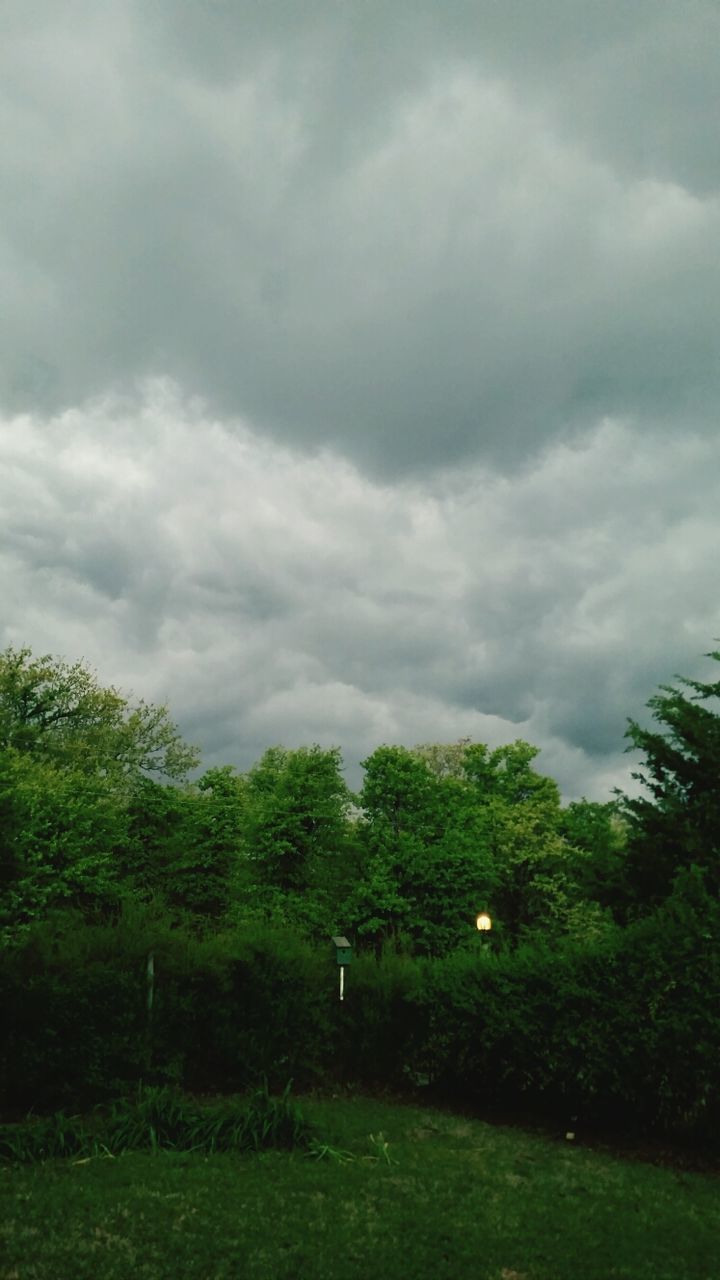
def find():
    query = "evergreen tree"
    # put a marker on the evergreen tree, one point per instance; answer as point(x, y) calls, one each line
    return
point(675, 824)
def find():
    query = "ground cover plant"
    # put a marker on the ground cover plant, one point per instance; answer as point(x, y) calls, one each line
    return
point(394, 1191)
point(161, 1119)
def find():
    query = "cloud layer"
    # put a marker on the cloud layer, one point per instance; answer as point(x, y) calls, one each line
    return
point(272, 596)
point(415, 232)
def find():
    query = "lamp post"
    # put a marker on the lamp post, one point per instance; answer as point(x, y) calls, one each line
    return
point(484, 925)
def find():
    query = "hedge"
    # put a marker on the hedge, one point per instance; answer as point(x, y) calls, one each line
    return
point(624, 1031)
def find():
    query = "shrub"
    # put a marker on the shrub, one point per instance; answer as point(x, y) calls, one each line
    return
point(228, 1010)
point(161, 1119)
point(623, 1030)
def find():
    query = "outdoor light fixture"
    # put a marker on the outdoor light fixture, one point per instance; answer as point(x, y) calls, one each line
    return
point(483, 922)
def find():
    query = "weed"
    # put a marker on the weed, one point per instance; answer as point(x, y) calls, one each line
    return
point(323, 1151)
point(381, 1148)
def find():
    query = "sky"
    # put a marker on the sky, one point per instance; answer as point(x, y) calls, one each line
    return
point(359, 365)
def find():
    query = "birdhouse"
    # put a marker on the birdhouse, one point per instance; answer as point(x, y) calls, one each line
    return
point(343, 950)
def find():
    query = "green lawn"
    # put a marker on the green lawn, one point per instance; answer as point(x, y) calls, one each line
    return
point(430, 1195)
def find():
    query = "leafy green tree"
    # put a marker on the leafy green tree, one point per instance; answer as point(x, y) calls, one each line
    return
point(58, 712)
point(451, 829)
point(59, 832)
point(444, 759)
point(539, 872)
point(296, 816)
point(157, 838)
point(398, 800)
point(600, 831)
point(675, 823)
point(185, 844)
point(212, 873)
point(427, 871)
point(71, 755)
point(399, 795)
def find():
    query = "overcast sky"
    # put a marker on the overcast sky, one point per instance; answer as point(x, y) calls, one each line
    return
point(359, 364)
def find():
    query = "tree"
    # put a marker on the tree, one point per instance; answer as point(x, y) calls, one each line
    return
point(675, 824)
point(59, 713)
point(184, 843)
point(211, 871)
point(539, 871)
point(399, 805)
point(59, 833)
point(296, 810)
point(427, 871)
point(453, 828)
point(600, 831)
point(444, 759)
point(72, 754)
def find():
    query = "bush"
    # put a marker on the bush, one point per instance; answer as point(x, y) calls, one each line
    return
point(377, 1019)
point(161, 1119)
point(228, 1010)
point(624, 1032)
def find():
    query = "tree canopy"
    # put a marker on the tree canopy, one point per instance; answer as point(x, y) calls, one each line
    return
point(96, 805)
point(675, 823)
point(71, 755)
point(58, 712)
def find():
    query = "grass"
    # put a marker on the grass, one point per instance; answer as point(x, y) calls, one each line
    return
point(389, 1192)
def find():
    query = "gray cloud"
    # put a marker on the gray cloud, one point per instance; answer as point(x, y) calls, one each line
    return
point(416, 233)
point(273, 596)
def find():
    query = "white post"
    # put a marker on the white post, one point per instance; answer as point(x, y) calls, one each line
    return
point(342, 981)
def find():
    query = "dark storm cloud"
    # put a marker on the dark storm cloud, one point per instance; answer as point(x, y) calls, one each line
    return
point(414, 232)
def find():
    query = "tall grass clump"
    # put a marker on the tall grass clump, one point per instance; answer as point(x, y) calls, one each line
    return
point(161, 1119)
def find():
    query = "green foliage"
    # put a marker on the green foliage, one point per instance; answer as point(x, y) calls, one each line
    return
point(451, 830)
point(427, 867)
point(58, 834)
point(234, 884)
point(71, 753)
point(620, 1030)
point(444, 830)
point(375, 1023)
point(161, 1119)
point(624, 1030)
point(229, 1008)
point(538, 871)
point(157, 819)
point(600, 832)
point(185, 844)
point(59, 713)
point(296, 815)
point(675, 824)
point(212, 875)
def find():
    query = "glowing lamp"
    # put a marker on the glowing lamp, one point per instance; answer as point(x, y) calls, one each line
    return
point(484, 922)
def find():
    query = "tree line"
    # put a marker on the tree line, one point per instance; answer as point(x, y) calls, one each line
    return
point(99, 806)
